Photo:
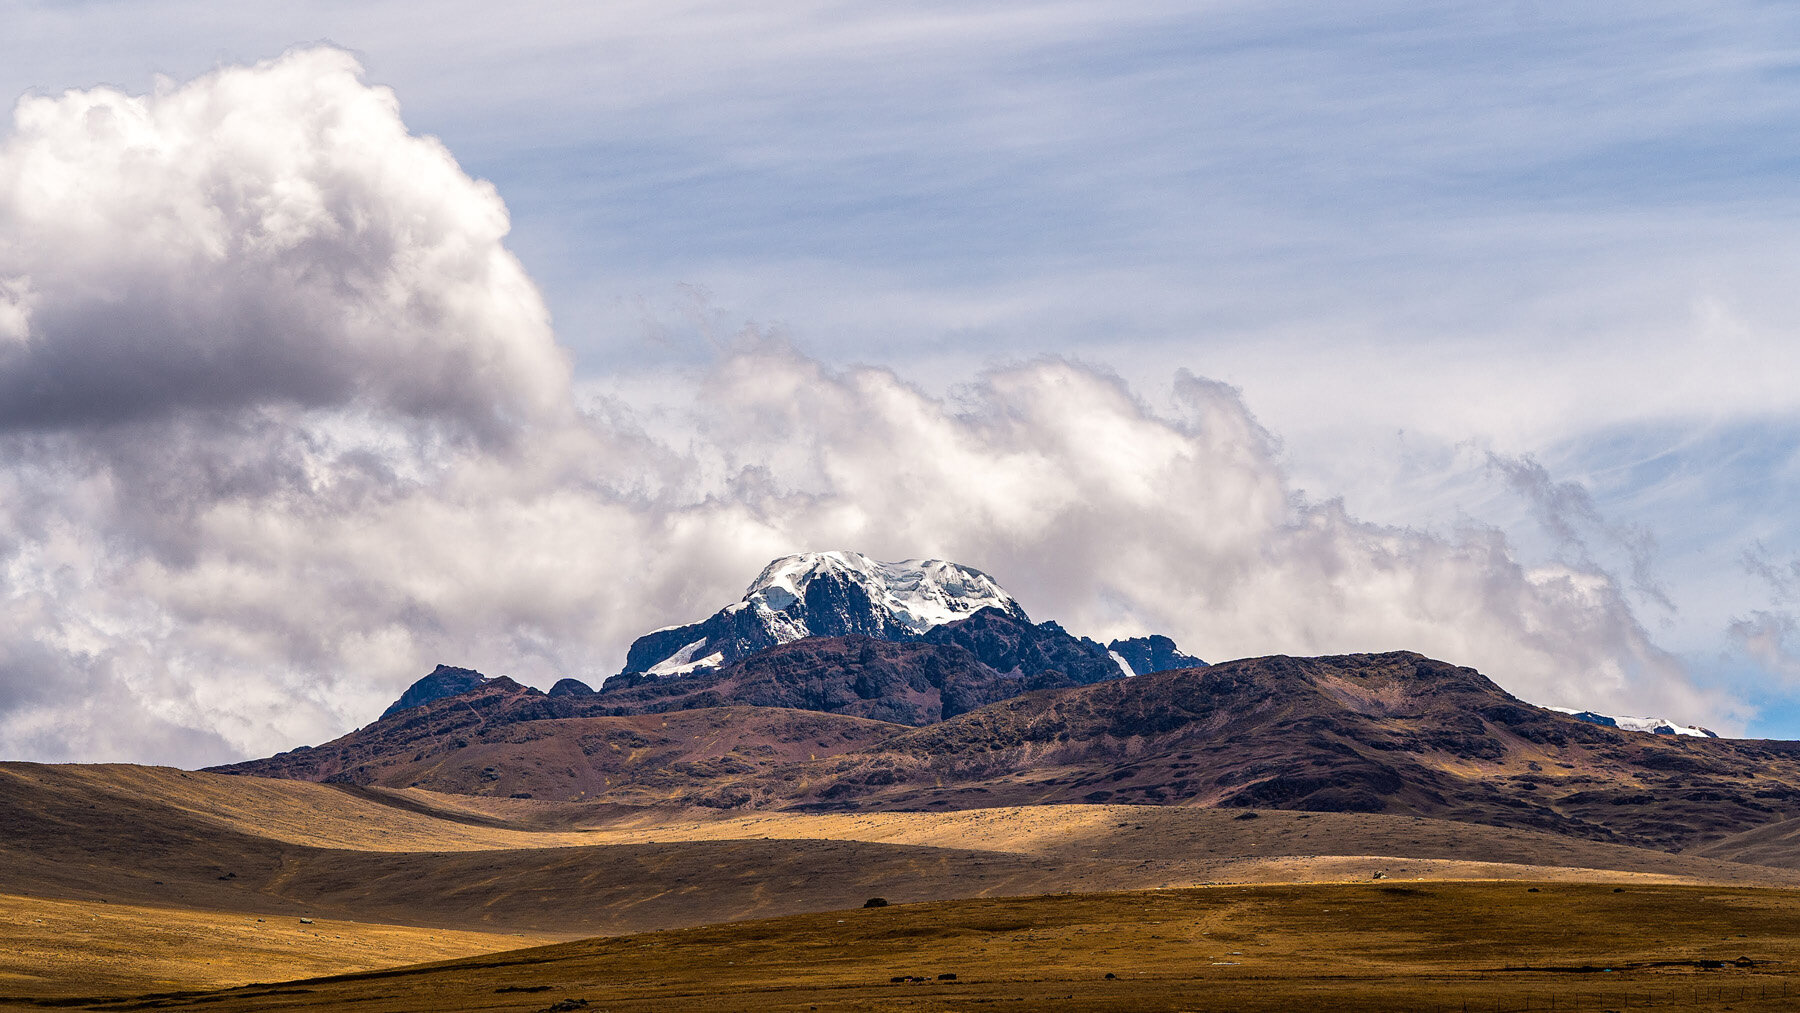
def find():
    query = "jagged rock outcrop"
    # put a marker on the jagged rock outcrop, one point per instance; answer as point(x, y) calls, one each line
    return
point(1146, 655)
point(571, 687)
point(442, 682)
point(1013, 645)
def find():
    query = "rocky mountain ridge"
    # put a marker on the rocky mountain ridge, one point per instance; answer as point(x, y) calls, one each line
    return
point(1391, 733)
point(940, 693)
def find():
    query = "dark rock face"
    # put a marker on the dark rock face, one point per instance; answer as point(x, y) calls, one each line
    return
point(442, 682)
point(834, 605)
point(730, 634)
point(1147, 655)
point(904, 683)
point(1015, 646)
point(992, 655)
point(840, 594)
point(886, 675)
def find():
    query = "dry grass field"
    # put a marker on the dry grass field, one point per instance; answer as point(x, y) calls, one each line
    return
point(1385, 946)
point(57, 947)
point(120, 882)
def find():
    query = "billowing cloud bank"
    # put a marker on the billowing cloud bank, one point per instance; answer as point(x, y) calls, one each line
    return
point(282, 424)
point(265, 235)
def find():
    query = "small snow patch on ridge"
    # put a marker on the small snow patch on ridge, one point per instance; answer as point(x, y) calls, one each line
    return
point(1652, 726)
point(682, 661)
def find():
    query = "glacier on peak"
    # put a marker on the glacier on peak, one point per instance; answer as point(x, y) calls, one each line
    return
point(829, 594)
point(916, 594)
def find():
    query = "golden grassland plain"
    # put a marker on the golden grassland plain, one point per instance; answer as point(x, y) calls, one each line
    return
point(1385, 946)
point(1196, 840)
point(293, 812)
point(58, 947)
point(120, 881)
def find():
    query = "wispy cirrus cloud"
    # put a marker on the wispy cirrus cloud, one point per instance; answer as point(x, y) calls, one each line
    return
point(1770, 636)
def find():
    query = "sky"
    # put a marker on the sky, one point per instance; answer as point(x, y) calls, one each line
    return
point(341, 340)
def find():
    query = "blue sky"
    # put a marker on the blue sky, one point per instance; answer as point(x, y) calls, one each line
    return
point(1426, 242)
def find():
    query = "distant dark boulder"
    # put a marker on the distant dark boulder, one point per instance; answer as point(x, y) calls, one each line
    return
point(571, 687)
point(442, 682)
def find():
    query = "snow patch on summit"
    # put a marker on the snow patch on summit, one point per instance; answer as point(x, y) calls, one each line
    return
point(916, 594)
point(829, 594)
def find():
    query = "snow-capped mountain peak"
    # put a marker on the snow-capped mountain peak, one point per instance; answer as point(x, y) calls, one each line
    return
point(824, 594)
point(915, 594)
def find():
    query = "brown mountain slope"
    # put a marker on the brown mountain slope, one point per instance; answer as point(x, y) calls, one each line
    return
point(508, 740)
point(1366, 733)
point(1395, 733)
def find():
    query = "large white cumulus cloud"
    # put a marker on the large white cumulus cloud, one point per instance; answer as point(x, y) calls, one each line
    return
point(1120, 519)
point(267, 233)
point(282, 424)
